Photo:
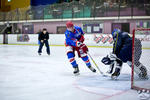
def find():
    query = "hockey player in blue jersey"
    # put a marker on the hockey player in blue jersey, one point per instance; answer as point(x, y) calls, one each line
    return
point(122, 53)
point(74, 42)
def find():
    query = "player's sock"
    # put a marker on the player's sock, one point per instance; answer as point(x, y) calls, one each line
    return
point(88, 64)
point(86, 60)
point(73, 62)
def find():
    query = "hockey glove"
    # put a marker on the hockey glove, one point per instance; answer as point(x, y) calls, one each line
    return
point(107, 61)
point(112, 56)
point(83, 48)
point(81, 39)
point(78, 44)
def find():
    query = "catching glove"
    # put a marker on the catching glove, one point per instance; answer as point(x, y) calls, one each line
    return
point(107, 61)
point(112, 56)
point(81, 39)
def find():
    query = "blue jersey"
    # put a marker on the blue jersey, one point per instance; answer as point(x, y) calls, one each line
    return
point(73, 37)
point(122, 46)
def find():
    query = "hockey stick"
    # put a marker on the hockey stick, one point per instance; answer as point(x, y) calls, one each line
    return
point(96, 65)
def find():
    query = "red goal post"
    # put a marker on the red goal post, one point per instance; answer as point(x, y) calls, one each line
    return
point(144, 35)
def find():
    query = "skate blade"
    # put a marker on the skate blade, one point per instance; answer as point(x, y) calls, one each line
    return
point(109, 72)
point(94, 71)
point(106, 75)
point(114, 77)
point(76, 74)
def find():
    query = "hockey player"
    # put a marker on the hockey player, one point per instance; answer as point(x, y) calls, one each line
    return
point(74, 42)
point(43, 39)
point(122, 53)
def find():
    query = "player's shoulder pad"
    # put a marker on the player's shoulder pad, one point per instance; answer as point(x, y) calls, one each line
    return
point(67, 33)
point(77, 27)
point(125, 34)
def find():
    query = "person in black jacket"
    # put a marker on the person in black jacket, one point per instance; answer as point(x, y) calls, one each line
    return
point(43, 39)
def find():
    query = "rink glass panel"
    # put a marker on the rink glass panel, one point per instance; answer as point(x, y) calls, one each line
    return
point(144, 36)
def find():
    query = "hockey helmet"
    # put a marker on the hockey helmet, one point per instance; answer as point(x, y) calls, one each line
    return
point(69, 24)
point(115, 31)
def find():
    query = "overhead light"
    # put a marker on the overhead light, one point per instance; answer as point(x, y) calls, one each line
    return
point(55, 10)
point(98, 7)
point(9, 0)
point(77, 11)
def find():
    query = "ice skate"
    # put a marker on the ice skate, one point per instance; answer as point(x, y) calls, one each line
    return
point(92, 69)
point(143, 75)
point(109, 71)
point(115, 75)
point(39, 54)
point(48, 54)
point(76, 71)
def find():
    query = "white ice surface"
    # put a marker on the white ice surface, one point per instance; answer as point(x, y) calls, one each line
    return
point(24, 75)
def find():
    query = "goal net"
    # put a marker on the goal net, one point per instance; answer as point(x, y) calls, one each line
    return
point(144, 57)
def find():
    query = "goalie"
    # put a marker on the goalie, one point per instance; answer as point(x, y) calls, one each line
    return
point(122, 53)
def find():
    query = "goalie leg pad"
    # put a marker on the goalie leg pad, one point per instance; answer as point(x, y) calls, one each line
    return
point(138, 49)
point(117, 69)
point(136, 69)
point(111, 67)
point(139, 69)
point(119, 63)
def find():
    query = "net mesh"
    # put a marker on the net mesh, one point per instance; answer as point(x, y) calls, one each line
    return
point(141, 51)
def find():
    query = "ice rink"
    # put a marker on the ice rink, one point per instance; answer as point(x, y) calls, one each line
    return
point(24, 75)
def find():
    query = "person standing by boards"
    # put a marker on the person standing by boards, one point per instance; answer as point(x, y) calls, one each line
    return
point(43, 39)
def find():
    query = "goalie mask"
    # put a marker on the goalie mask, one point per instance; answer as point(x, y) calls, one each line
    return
point(106, 60)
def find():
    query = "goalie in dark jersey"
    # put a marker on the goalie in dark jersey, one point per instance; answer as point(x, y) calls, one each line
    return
point(122, 53)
